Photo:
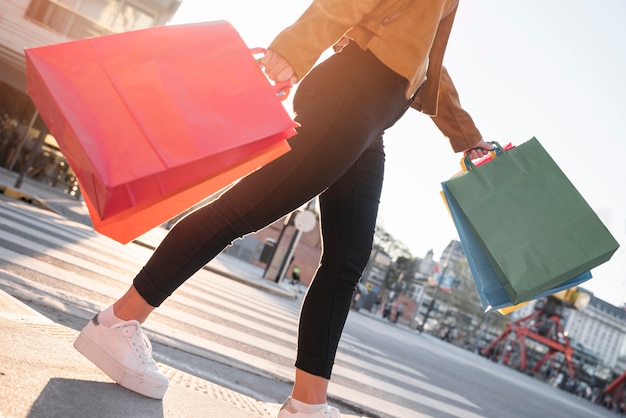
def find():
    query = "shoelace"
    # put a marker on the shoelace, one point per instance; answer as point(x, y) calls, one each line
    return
point(139, 341)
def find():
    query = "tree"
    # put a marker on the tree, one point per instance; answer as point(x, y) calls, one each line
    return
point(403, 266)
point(386, 242)
point(401, 270)
point(464, 306)
point(462, 302)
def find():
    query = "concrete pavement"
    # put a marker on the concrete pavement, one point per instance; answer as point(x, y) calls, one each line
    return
point(41, 375)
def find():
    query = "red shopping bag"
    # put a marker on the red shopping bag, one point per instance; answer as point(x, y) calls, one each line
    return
point(132, 223)
point(145, 116)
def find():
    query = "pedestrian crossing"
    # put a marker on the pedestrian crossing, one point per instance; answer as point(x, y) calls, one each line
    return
point(81, 271)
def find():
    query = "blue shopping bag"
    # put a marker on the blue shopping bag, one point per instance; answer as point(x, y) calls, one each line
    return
point(531, 223)
point(492, 294)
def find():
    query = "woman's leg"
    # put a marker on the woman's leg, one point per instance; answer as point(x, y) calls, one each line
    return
point(342, 106)
point(349, 210)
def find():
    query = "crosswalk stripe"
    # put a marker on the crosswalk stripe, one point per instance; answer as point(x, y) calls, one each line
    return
point(87, 242)
point(106, 268)
point(62, 255)
point(289, 337)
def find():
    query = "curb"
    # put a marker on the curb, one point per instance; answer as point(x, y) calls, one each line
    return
point(23, 324)
point(24, 197)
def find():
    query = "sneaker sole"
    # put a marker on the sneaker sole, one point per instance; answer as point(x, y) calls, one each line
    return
point(112, 368)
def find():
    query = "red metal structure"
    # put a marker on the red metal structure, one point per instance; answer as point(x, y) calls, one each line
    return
point(617, 388)
point(541, 327)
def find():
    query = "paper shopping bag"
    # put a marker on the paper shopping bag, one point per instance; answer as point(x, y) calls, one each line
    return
point(490, 290)
point(131, 223)
point(532, 225)
point(141, 116)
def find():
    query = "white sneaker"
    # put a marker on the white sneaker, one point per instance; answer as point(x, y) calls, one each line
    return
point(288, 411)
point(124, 354)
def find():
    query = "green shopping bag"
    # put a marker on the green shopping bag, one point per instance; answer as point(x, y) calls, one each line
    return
point(533, 226)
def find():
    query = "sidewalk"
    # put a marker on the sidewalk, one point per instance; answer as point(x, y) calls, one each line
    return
point(41, 375)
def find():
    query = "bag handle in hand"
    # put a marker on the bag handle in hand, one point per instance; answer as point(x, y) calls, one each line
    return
point(283, 88)
point(467, 163)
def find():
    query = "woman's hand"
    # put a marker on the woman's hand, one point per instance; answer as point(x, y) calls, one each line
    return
point(278, 68)
point(479, 150)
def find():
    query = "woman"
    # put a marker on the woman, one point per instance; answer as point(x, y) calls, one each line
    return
point(343, 106)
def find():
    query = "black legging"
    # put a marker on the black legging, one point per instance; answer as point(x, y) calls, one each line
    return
point(343, 106)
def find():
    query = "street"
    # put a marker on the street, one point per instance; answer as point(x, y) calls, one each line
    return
point(243, 338)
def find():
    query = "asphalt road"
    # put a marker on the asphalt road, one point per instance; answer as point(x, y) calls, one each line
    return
point(243, 338)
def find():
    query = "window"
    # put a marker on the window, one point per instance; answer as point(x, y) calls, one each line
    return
point(78, 19)
point(118, 15)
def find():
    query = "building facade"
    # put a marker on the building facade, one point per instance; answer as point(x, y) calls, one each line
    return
point(25, 146)
point(279, 247)
point(600, 328)
point(30, 23)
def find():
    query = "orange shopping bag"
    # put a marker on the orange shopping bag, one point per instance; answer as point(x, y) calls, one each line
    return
point(155, 120)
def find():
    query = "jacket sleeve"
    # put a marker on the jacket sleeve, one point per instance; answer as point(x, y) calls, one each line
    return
point(320, 26)
point(451, 119)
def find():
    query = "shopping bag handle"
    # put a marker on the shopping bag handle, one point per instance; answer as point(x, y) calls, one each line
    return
point(283, 88)
point(497, 150)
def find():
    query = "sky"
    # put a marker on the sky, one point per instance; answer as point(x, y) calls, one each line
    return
point(523, 68)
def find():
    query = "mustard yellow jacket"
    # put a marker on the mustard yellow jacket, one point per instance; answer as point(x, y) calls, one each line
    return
point(409, 36)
